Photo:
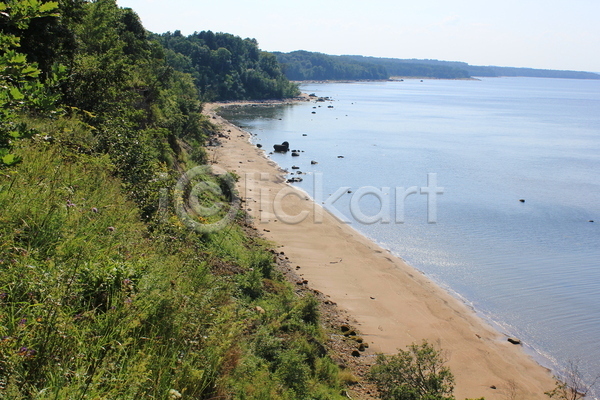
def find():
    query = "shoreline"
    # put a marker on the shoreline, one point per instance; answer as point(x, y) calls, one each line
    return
point(390, 79)
point(393, 303)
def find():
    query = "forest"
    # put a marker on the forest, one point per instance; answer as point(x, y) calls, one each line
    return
point(482, 71)
point(226, 67)
point(304, 65)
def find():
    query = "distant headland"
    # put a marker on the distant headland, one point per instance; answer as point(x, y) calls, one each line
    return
point(304, 65)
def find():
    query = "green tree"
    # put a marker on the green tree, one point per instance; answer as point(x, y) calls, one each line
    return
point(21, 88)
point(418, 373)
point(227, 67)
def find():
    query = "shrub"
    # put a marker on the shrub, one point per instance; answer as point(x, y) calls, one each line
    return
point(251, 284)
point(414, 374)
point(308, 310)
point(293, 370)
point(262, 261)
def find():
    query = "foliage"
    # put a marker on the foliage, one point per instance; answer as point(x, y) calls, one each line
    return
point(227, 67)
point(414, 374)
point(304, 65)
point(572, 385)
point(141, 108)
point(21, 88)
point(93, 304)
point(102, 296)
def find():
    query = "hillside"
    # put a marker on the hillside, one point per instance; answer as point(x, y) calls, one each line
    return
point(304, 65)
point(105, 291)
point(481, 71)
point(226, 67)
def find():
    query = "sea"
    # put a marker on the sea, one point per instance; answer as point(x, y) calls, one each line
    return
point(489, 187)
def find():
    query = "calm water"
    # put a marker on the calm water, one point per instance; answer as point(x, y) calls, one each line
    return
point(532, 268)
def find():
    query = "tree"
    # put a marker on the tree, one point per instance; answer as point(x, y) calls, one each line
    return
point(227, 67)
point(418, 373)
point(571, 386)
point(20, 86)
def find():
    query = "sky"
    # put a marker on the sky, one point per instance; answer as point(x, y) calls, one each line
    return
point(551, 34)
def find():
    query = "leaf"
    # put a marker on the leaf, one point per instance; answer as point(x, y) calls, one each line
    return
point(11, 159)
point(18, 58)
point(16, 94)
point(47, 7)
point(30, 71)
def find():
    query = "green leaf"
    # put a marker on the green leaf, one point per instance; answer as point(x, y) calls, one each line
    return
point(30, 71)
point(47, 7)
point(16, 94)
point(18, 58)
point(10, 159)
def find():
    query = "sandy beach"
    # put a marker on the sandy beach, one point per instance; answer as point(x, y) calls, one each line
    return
point(393, 304)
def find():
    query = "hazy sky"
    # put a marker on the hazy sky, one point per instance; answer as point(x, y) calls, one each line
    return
point(554, 34)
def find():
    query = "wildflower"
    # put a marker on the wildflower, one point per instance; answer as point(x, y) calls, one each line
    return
point(23, 322)
point(27, 352)
point(70, 204)
point(111, 228)
point(94, 209)
point(174, 394)
point(3, 296)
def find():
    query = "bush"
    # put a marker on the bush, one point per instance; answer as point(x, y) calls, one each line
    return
point(293, 370)
point(251, 284)
point(308, 310)
point(414, 374)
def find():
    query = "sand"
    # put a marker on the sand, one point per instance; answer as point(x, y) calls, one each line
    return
point(393, 304)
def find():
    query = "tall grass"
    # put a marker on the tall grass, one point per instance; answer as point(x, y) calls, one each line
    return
point(96, 304)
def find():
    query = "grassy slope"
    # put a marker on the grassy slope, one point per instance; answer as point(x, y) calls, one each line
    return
point(96, 304)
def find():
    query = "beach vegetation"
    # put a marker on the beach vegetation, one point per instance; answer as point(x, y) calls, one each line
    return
point(104, 292)
point(572, 385)
point(418, 373)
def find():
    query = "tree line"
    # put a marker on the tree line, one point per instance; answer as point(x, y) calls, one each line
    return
point(225, 66)
point(305, 65)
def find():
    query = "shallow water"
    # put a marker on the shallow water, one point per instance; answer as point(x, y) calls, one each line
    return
point(532, 268)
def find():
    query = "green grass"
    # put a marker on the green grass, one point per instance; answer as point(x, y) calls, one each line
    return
point(96, 304)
